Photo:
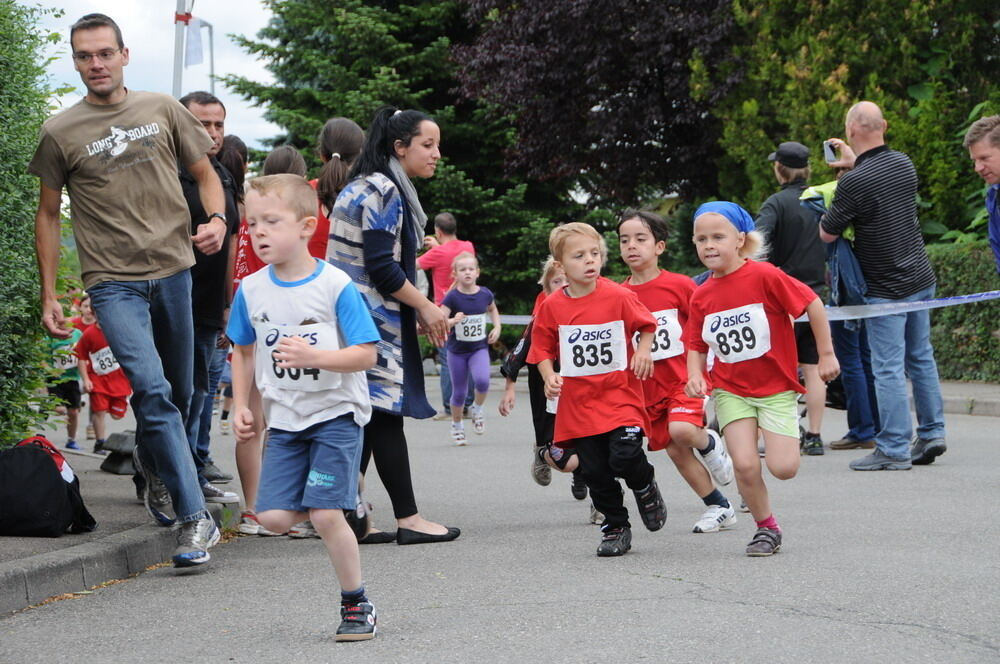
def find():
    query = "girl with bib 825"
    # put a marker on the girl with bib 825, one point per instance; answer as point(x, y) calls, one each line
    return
point(743, 313)
point(468, 306)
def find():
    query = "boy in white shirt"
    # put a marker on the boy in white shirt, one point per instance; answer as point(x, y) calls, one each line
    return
point(303, 331)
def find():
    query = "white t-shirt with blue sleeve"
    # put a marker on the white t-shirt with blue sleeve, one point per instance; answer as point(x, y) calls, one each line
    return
point(325, 309)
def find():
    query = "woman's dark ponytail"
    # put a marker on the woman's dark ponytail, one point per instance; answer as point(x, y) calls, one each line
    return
point(387, 126)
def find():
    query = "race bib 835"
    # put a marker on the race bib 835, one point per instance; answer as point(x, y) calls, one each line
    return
point(591, 350)
point(737, 335)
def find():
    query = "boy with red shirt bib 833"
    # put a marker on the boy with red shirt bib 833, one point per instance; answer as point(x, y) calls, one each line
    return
point(743, 314)
point(677, 421)
point(587, 327)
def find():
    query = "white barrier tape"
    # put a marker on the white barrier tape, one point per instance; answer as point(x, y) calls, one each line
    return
point(857, 311)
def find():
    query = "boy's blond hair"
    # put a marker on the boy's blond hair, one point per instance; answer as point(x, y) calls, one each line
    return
point(461, 257)
point(549, 268)
point(559, 235)
point(293, 190)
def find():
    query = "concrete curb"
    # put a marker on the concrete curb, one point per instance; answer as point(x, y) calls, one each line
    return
point(36, 578)
point(972, 406)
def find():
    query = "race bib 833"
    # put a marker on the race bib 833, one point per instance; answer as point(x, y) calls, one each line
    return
point(667, 338)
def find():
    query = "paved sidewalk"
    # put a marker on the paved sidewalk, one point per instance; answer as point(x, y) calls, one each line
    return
point(32, 569)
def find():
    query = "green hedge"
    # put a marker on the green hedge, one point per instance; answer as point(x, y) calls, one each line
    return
point(23, 107)
point(966, 338)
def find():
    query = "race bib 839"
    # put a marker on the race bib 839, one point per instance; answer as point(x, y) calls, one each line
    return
point(591, 350)
point(737, 335)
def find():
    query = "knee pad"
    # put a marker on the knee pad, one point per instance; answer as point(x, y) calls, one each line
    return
point(560, 457)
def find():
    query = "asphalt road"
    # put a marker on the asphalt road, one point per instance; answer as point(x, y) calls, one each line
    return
point(897, 567)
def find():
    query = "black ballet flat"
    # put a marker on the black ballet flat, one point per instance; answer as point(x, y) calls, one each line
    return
point(407, 536)
point(381, 537)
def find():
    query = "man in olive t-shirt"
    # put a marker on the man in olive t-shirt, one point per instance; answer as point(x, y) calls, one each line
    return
point(116, 153)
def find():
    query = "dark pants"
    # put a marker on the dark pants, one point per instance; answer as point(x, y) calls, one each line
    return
point(204, 347)
point(384, 439)
point(851, 348)
point(606, 457)
point(543, 421)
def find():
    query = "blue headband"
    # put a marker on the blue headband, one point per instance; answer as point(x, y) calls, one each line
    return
point(731, 211)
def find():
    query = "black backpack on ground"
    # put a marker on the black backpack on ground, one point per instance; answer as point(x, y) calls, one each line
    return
point(35, 499)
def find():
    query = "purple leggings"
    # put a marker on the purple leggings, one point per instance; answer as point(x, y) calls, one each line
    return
point(460, 365)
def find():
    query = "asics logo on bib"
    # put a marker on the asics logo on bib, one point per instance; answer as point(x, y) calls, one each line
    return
point(730, 321)
point(274, 335)
point(589, 335)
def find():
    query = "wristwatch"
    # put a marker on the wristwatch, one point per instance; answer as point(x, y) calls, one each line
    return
point(217, 214)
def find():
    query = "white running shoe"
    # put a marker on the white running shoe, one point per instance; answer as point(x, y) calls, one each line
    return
point(303, 530)
point(716, 518)
point(458, 437)
point(595, 517)
point(478, 421)
point(717, 461)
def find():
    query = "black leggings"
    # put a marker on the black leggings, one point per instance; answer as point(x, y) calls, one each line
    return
point(604, 458)
point(384, 438)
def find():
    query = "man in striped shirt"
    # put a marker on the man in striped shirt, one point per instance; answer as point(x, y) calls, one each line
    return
point(878, 197)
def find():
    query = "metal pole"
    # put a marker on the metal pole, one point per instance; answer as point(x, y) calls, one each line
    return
point(180, 24)
point(211, 57)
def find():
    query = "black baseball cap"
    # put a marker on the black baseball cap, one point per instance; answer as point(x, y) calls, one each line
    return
point(791, 154)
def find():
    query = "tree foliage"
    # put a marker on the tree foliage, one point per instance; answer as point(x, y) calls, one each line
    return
point(23, 353)
point(928, 64)
point(349, 57)
point(600, 92)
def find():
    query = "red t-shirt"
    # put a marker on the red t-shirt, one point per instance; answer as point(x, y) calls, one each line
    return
point(593, 335)
point(744, 317)
point(538, 301)
point(102, 367)
point(77, 322)
point(667, 297)
point(247, 262)
point(438, 260)
point(319, 240)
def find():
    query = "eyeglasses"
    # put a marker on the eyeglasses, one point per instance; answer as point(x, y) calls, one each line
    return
point(104, 56)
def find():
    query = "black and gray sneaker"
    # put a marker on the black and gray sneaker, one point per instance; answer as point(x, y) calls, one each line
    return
point(924, 451)
point(154, 494)
point(615, 541)
point(765, 542)
point(194, 539)
point(213, 473)
point(358, 622)
point(651, 507)
point(540, 471)
point(579, 487)
point(358, 518)
point(811, 444)
point(214, 494)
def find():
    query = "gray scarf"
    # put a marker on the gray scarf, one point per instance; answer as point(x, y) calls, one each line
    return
point(417, 214)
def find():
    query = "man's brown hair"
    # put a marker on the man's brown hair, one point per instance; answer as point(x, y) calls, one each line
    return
point(988, 127)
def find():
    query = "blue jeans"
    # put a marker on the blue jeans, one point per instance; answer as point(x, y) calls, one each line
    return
point(215, 368)
point(204, 347)
point(900, 347)
point(851, 348)
point(149, 328)
point(446, 382)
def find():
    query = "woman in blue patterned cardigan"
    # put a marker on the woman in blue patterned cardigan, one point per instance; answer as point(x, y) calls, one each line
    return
point(375, 229)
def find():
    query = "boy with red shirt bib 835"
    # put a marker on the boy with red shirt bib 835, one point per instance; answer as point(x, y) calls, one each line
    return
point(587, 327)
point(674, 416)
point(743, 314)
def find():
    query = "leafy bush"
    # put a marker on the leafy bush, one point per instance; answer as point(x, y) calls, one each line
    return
point(966, 338)
point(23, 353)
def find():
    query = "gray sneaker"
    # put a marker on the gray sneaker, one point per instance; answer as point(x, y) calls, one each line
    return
point(879, 461)
point(154, 496)
point(213, 473)
point(214, 494)
point(194, 539)
point(924, 450)
point(540, 471)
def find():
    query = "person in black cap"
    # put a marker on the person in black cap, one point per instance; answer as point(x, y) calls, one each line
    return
point(794, 246)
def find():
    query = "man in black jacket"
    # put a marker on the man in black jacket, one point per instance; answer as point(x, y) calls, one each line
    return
point(794, 246)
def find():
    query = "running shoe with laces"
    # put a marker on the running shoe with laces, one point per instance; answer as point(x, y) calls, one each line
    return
point(578, 488)
point(540, 471)
point(358, 622)
point(458, 437)
point(596, 517)
point(73, 445)
point(615, 541)
point(478, 421)
point(214, 494)
point(811, 444)
point(717, 461)
point(194, 539)
point(716, 518)
point(249, 525)
point(303, 530)
point(651, 507)
point(224, 427)
point(154, 495)
point(765, 542)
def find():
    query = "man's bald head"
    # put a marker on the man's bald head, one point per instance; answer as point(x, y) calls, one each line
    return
point(866, 117)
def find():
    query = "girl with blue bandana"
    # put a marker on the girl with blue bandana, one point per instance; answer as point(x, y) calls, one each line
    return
point(743, 314)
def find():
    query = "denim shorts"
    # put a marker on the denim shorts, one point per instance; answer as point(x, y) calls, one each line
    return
point(314, 468)
point(777, 413)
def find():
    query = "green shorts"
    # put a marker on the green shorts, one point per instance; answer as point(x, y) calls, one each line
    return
point(777, 413)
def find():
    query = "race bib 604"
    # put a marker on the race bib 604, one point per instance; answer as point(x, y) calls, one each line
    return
point(736, 335)
point(591, 350)
point(318, 335)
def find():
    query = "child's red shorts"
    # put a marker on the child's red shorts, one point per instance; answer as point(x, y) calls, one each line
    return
point(101, 403)
point(678, 407)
